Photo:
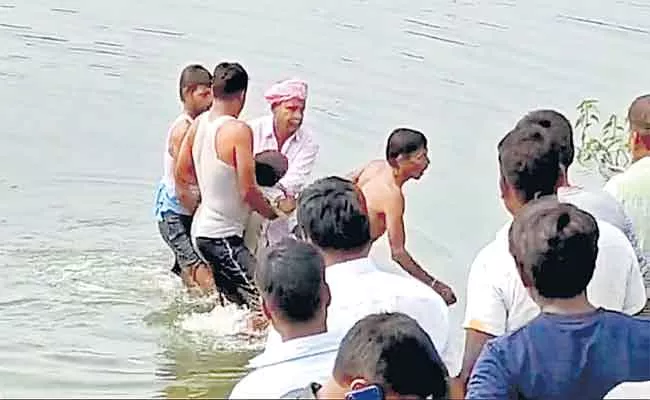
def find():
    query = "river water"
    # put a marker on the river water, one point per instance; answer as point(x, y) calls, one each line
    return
point(87, 306)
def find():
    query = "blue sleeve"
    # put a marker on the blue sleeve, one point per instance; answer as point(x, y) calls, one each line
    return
point(489, 379)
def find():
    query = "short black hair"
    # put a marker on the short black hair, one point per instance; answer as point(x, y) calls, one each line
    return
point(529, 161)
point(290, 276)
point(229, 79)
point(394, 352)
point(193, 75)
point(557, 128)
point(556, 245)
point(404, 141)
point(639, 115)
point(270, 167)
point(332, 213)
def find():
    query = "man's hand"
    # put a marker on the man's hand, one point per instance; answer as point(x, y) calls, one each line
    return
point(444, 291)
point(287, 204)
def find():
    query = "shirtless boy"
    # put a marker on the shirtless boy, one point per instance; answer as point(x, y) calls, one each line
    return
point(174, 220)
point(381, 182)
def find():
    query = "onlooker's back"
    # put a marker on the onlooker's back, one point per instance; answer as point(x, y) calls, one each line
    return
point(572, 349)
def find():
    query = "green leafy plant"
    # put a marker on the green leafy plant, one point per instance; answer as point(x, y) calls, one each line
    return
point(606, 150)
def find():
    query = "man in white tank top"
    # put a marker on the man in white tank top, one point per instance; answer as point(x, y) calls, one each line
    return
point(174, 221)
point(219, 149)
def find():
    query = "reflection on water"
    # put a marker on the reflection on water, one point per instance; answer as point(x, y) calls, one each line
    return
point(88, 306)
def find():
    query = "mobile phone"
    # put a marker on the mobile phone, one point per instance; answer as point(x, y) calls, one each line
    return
point(372, 392)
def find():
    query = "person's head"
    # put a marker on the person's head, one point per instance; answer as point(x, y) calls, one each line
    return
point(407, 153)
point(270, 167)
point(639, 120)
point(529, 166)
point(229, 85)
point(288, 100)
point(291, 281)
point(332, 215)
point(194, 89)
point(558, 129)
point(555, 246)
point(393, 352)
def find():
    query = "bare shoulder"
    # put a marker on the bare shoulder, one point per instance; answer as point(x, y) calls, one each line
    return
point(236, 129)
point(370, 171)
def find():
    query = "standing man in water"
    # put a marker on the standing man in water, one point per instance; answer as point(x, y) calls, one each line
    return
point(174, 220)
point(218, 151)
point(283, 130)
point(381, 183)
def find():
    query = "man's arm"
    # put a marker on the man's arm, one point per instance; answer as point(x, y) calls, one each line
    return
point(176, 138)
point(184, 174)
point(394, 212)
point(235, 138)
point(300, 168)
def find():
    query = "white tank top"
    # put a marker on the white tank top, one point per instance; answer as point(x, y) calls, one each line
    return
point(222, 211)
point(168, 161)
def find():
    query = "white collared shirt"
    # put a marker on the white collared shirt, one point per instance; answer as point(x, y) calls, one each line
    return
point(301, 151)
point(287, 366)
point(359, 288)
point(498, 302)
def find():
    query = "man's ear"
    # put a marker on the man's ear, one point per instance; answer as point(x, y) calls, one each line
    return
point(358, 383)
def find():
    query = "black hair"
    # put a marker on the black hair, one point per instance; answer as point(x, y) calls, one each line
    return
point(529, 162)
point(404, 141)
point(557, 128)
point(192, 76)
point(556, 246)
point(229, 79)
point(332, 213)
point(391, 350)
point(270, 167)
point(291, 276)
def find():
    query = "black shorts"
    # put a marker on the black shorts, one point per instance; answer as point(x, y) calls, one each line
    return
point(175, 230)
point(233, 267)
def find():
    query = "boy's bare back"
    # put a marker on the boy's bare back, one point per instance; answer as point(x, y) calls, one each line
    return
point(378, 187)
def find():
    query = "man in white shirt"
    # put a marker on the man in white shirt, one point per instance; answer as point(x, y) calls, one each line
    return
point(283, 130)
point(497, 301)
point(632, 187)
point(295, 297)
point(332, 215)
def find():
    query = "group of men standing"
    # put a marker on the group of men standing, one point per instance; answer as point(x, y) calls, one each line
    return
point(214, 166)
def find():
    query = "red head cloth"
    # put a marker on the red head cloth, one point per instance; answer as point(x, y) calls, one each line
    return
point(289, 89)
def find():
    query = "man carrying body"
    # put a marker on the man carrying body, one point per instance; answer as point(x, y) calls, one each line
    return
point(174, 220)
point(283, 130)
point(632, 187)
point(497, 301)
point(218, 151)
point(381, 183)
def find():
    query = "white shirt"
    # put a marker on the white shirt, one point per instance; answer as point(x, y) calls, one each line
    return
point(630, 390)
point(632, 189)
point(301, 151)
point(498, 302)
point(287, 366)
point(359, 288)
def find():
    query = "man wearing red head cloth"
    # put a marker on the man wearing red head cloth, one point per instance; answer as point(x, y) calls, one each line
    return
point(283, 130)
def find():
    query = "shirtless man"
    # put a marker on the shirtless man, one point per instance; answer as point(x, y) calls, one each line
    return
point(174, 221)
point(217, 153)
point(381, 183)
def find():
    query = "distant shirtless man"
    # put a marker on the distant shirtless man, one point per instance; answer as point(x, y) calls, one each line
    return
point(381, 183)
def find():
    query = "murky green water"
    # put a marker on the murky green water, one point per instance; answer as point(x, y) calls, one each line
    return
point(87, 307)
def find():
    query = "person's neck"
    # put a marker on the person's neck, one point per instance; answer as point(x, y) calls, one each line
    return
point(333, 257)
point(573, 306)
point(281, 135)
point(192, 113)
point(398, 177)
point(222, 108)
point(295, 331)
point(640, 155)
